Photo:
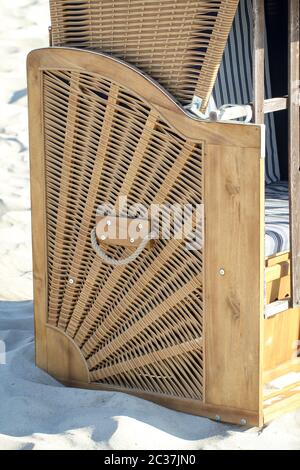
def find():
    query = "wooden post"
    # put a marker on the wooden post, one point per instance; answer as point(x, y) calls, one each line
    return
point(258, 61)
point(234, 277)
point(294, 163)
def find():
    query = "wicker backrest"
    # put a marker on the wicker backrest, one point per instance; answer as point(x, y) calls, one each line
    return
point(177, 42)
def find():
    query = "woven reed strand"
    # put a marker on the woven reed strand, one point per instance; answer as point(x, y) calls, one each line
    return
point(138, 326)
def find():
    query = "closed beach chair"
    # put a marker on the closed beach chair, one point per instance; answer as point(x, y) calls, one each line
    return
point(200, 323)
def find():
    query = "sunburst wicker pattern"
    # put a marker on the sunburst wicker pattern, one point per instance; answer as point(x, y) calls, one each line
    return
point(139, 326)
point(177, 42)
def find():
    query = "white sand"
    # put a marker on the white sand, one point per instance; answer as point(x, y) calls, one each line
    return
point(35, 411)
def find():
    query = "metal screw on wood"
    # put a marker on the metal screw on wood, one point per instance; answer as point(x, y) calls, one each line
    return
point(71, 280)
point(222, 272)
point(218, 418)
point(131, 240)
point(102, 237)
point(243, 421)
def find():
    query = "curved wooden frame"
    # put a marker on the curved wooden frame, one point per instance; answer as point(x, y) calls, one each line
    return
point(130, 77)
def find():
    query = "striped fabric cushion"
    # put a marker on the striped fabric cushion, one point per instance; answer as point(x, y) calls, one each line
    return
point(234, 81)
point(277, 237)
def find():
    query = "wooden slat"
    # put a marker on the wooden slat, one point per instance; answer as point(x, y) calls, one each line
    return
point(282, 391)
point(233, 299)
point(277, 271)
point(294, 147)
point(278, 279)
point(281, 334)
point(277, 258)
point(282, 400)
point(258, 61)
point(273, 105)
point(292, 365)
point(278, 289)
point(38, 221)
point(289, 401)
point(276, 307)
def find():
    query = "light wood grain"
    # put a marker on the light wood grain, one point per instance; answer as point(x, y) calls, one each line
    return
point(277, 258)
point(233, 302)
point(273, 105)
point(281, 335)
point(38, 221)
point(65, 360)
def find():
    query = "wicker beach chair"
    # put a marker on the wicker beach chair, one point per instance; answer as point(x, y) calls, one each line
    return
point(180, 322)
point(99, 130)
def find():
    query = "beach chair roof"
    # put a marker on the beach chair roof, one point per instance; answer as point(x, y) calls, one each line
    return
point(179, 43)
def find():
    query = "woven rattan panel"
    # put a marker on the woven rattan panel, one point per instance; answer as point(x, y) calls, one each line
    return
point(177, 42)
point(139, 326)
